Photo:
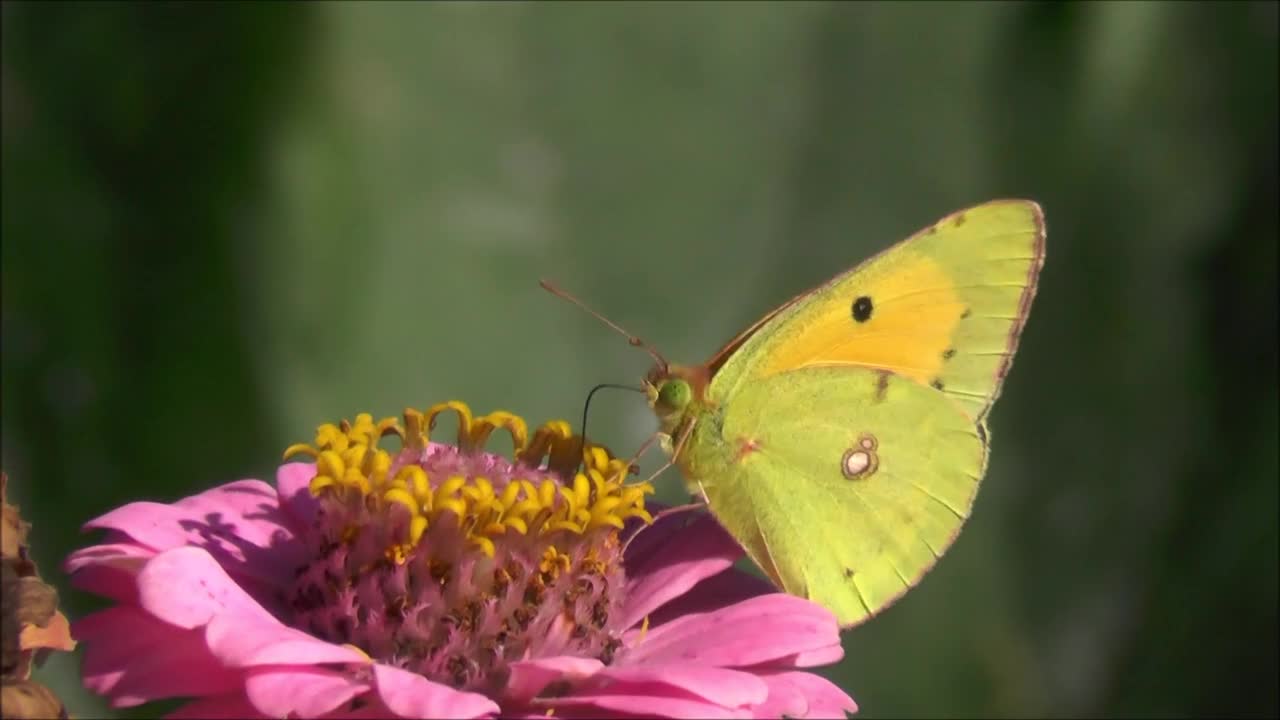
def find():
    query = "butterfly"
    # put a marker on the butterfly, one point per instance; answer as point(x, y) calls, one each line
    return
point(841, 438)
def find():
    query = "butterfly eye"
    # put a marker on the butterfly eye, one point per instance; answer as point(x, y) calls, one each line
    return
point(674, 394)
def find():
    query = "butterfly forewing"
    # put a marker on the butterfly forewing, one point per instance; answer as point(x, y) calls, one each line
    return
point(945, 307)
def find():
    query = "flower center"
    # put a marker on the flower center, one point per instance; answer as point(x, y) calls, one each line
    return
point(451, 562)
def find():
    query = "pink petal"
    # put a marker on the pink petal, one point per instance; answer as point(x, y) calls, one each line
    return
point(112, 583)
point(143, 522)
point(818, 656)
point(109, 570)
point(231, 706)
point(293, 484)
point(254, 641)
point(412, 696)
point(785, 700)
point(254, 507)
point(187, 587)
point(821, 697)
point(720, 686)
point(305, 692)
point(371, 707)
point(124, 554)
point(691, 555)
point(368, 707)
point(529, 677)
point(135, 658)
point(245, 519)
point(642, 540)
point(720, 590)
point(240, 523)
point(647, 705)
point(758, 630)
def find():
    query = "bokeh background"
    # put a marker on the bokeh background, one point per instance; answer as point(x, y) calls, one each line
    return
point(224, 224)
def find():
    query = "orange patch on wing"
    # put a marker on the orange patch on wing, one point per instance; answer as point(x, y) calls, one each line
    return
point(913, 321)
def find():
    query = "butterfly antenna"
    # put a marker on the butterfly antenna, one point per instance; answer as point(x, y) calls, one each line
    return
point(631, 339)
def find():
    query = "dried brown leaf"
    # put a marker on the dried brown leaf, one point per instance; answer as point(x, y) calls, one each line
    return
point(13, 529)
point(29, 700)
point(54, 636)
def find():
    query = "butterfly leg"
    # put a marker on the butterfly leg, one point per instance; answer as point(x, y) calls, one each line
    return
point(663, 514)
point(685, 432)
point(632, 463)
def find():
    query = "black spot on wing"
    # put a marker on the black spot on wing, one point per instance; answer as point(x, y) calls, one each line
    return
point(948, 353)
point(937, 384)
point(862, 308)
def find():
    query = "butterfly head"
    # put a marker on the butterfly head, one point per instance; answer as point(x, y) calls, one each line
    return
point(672, 396)
point(672, 390)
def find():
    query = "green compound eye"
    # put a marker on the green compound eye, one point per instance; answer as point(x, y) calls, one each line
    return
point(675, 394)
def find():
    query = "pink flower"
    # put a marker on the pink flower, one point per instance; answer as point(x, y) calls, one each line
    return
point(442, 581)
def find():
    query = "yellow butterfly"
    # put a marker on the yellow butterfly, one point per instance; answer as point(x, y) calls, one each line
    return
point(841, 439)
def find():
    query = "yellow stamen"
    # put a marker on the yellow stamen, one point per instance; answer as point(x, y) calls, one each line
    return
point(354, 471)
point(547, 493)
point(299, 449)
point(597, 457)
point(485, 545)
point(415, 435)
point(464, 420)
point(402, 497)
point(417, 526)
point(513, 424)
point(454, 505)
point(551, 435)
point(319, 483)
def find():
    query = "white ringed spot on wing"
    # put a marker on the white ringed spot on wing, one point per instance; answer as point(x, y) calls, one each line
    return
point(861, 460)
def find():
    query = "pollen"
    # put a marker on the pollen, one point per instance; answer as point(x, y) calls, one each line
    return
point(554, 562)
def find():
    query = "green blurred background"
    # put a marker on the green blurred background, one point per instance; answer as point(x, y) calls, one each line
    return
point(224, 224)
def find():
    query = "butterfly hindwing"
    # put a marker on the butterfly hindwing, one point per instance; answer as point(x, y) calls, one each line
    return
point(845, 484)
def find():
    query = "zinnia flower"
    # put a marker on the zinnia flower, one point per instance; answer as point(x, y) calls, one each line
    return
point(442, 581)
